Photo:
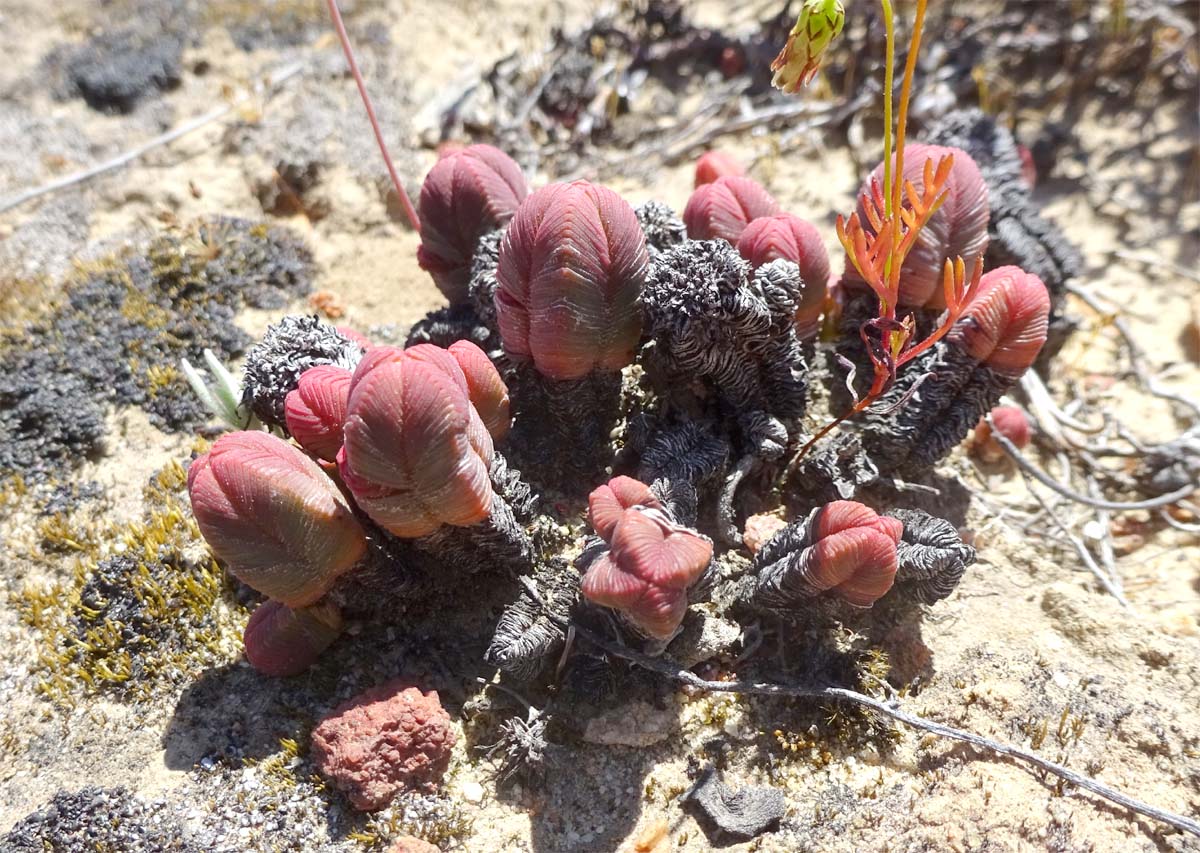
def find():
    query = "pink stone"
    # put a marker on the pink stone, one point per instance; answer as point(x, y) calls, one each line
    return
point(391, 739)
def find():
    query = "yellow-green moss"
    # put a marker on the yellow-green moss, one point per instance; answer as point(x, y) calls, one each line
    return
point(173, 617)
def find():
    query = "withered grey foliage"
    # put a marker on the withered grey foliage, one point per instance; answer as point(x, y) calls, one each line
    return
point(481, 287)
point(679, 460)
point(1018, 234)
point(709, 321)
point(497, 542)
point(523, 749)
point(290, 347)
point(934, 403)
point(507, 483)
point(742, 812)
point(526, 637)
point(836, 469)
point(475, 319)
point(1170, 466)
point(931, 556)
point(444, 326)
point(562, 429)
point(778, 581)
point(662, 226)
point(952, 394)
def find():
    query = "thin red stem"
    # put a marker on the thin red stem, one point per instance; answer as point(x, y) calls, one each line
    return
point(409, 211)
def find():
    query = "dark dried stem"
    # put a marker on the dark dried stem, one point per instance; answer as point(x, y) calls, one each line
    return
point(410, 212)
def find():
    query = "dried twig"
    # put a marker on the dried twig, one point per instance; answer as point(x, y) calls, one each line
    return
point(273, 80)
point(672, 671)
point(1067, 492)
point(1135, 352)
point(1081, 549)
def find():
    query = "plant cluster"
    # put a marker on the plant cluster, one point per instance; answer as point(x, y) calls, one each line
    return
point(652, 363)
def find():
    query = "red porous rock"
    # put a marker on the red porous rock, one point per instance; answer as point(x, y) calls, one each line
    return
point(390, 739)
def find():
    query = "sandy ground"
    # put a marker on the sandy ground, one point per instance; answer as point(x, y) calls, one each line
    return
point(1029, 650)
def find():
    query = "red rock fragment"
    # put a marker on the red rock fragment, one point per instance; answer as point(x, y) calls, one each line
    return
point(391, 739)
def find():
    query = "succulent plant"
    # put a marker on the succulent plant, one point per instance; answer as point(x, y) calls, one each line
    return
point(290, 347)
point(552, 310)
point(1018, 234)
point(568, 306)
point(419, 455)
point(650, 561)
point(571, 269)
point(467, 194)
point(790, 238)
point(274, 517)
point(716, 164)
point(944, 392)
point(316, 409)
point(416, 453)
point(281, 641)
point(842, 549)
point(723, 209)
point(1010, 422)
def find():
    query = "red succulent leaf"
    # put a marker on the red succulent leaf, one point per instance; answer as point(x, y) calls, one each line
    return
point(274, 517)
point(716, 164)
point(486, 389)
point(572, 264)
point(854, 554)
point(1012, 423)
point(416, 454)
point(652, 561)
point(725, 207)
point(316, 409)
point(281, 641)
point(789, 237)
point(1005, 325)
point(607, 503)
point(467, 193)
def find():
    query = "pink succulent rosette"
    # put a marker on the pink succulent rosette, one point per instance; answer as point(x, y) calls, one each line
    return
point(1005, 325)
point(723, 208)
point(716, 164)
point(572, 264)
point(416, 452)
point(281, 641)
point(787, 237)
point(651, 560)
point(316, 409)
